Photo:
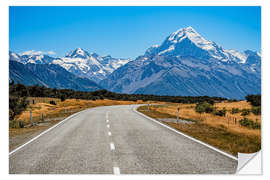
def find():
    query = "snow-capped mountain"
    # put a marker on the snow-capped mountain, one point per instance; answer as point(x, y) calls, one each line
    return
point(78, 62)
point(49, 75)
point(187, 42)
point(35, 58)
point(187, 64)
point(89, 65)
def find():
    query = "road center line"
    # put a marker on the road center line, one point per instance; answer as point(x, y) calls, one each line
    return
point(116, 170)
point(108, 126)
point(107, 120)
point(109, 133)
point(112, 146)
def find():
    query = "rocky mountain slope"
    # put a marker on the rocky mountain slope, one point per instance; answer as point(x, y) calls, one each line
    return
point(78, 62)
point(48, 75)
point(186, 64)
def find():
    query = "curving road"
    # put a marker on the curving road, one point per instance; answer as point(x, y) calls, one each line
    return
point(116, 140)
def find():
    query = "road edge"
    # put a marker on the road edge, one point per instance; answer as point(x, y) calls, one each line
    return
point(44, 132)
point(185, 135)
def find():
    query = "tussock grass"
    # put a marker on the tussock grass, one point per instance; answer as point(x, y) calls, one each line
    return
point(221, 137)
point(63, 109)
point(187, 111)
point(212, 129)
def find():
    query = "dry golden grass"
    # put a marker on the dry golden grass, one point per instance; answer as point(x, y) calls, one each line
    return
point(42, 100)
point(63, 109)
point(52, 115)
point(221, 137)
point(212, 129)
point(187, 111)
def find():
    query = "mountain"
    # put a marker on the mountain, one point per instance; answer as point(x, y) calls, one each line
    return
point(30, 58)
point(48, 75)
point(78, 62)
point(186, 64)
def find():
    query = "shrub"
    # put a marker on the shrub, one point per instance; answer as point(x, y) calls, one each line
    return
point(249, 123)
point(256, 110)
point(12, 124)
point(255, 100)
point(199, 108)
point(21, 124)
point(245, 112)
point(16, 106)
point(204, 107)
point(220, 112)
point(52, 102)
point(235, 110)
point(63, 98)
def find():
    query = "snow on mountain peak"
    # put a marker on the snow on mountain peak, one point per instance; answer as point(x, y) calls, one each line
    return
point(188, 42)
point(192, 35)
point(78, 52)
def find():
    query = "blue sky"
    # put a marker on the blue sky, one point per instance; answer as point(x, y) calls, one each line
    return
point(128, 31)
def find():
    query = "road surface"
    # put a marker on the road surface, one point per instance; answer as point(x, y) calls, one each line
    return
point(116, 140)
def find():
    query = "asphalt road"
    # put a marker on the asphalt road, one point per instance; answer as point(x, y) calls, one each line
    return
point(114, 140)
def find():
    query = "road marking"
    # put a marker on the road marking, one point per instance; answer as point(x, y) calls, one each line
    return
point(178, 132)
point(116, 170)
point(107, 120)
point(44, 132)
point(112, 146)
point(109, 133)
point(108, 126)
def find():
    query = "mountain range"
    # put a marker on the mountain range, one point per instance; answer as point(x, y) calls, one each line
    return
point(78, 61)
point(48, 75)
point(184, 64)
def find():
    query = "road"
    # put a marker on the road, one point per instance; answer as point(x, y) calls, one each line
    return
point(114, 140)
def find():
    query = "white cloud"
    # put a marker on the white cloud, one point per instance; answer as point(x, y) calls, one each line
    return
point(33, 52)
point(51, 53)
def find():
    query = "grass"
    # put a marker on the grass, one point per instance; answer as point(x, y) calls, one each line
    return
point(212, 129)
point(62, 109)
point(187, 111)
point(54, 113)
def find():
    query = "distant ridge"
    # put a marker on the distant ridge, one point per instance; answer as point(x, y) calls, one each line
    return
point(186, 64)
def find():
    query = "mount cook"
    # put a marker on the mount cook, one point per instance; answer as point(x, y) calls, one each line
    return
point(185, 64)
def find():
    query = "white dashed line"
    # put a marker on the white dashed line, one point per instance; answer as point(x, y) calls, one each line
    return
point(112, 146)
point(116, 170)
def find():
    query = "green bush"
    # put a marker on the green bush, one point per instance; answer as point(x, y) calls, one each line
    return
point(204, 107)
point(235, 110)
point(16, 106)
point(63, 98)
point(52, 102)
point(249, 123)
point(245, 112)
point(256, 110)
point(21, 124)
point(220, 112)
point(255, 100)
point(12, 124)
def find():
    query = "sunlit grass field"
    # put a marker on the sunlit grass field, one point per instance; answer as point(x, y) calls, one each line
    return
point(219, 131)
point(62, 109)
